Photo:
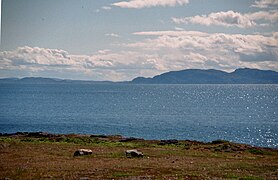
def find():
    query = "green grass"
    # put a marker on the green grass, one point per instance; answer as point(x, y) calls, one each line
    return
point(122, 174)
point(48, 157)
point(8, 139)
point(88, 141)
point(219, 141)
point(250, 178)
point(231, 176)
point(259, 152)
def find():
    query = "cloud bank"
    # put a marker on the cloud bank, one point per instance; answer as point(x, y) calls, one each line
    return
point(196, 41)
point(138, 4)
point(232, 19)
point(266, 4)
point(195, 49)
point(103, 65)
point(112, 35)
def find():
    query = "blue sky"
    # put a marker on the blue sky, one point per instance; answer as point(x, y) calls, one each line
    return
point(122, 39)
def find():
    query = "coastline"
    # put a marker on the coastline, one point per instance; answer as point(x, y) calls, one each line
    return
point(91, 138)
point(41, 155)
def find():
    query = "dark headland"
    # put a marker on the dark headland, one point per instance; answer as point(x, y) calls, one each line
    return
point(212, 76)
point(188, 76)
point(39, 155)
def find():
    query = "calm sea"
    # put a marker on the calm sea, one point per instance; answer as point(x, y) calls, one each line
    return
point(238, 113)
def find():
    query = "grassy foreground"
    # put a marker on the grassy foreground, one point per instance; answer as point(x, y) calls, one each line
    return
point(49, 156)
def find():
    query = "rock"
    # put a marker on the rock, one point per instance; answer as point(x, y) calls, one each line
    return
point(133, 153)
point(82, 152)
point(219, 141)
point(21, 133)
point(99, 136)
point(170, 141)
point(40, 134)
point(130, 139)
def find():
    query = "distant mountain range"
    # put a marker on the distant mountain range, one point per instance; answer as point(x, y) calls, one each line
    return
point(189, 76)
point(211, 76)
point(41, 80)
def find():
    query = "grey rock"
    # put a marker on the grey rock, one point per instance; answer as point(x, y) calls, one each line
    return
point(133, 153)
point(82, 152)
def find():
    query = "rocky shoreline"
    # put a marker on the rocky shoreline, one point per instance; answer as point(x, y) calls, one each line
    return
point(216, 145)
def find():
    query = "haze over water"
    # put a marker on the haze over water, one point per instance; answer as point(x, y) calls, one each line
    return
point(238, 113)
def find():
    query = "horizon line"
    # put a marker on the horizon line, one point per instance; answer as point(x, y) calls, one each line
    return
point(91, 80)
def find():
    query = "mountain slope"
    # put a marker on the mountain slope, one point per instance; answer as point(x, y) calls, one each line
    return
point(211, 76)
point(41, 80)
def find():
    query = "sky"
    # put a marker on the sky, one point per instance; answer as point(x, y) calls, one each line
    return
point(119, 40)
point(0, 19)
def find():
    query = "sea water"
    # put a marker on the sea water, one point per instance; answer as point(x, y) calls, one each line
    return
point(238, 113)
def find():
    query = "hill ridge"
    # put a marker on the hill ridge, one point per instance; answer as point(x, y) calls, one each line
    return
point(212, 76)
point(186, 76)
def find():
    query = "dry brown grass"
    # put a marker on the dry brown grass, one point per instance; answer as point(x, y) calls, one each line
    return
point(54, 160)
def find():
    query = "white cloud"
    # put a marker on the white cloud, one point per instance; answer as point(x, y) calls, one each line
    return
point(112, 35)
point(106, 7)
point(137, 4)
point(271, 16)
point(179, 29)
point(27, 55)
point(104, 51)
point(103, 65)
point(195, 57)
point(195, 39)
point(194, 49)
point(171, 33)
point(266, 4)
point(231, 19)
